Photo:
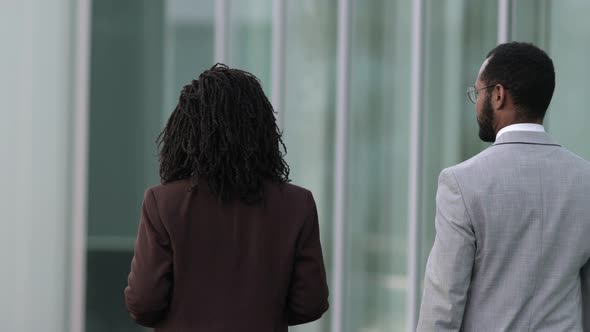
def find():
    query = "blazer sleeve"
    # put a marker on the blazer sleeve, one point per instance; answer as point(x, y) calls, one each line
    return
point(308, 291)
point(449, 266)
point(585, 277)
point(150, 280)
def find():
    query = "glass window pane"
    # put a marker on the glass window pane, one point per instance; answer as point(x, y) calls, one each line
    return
point(308, 112)
point(376, 225)
point(143, 51)
point(188, 51)
point(250, 38)
point(561, 29)
point(530, 21)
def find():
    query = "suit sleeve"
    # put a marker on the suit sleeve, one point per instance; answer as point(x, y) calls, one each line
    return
point(150, 280)
point(449, 266)
point(585, 277)
point(308, 291)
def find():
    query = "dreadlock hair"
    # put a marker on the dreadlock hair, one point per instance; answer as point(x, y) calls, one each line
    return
point(224, 129)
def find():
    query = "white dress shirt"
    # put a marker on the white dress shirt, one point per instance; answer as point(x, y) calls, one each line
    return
point(521, 127)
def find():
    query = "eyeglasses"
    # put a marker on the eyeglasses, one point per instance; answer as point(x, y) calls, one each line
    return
point(473, 93)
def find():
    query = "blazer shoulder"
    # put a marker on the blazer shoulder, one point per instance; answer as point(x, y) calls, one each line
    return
point(480, 159)
point(288, 192)
point(577, 166)
point(169, 192)
point(294, 189)
point(577, 159)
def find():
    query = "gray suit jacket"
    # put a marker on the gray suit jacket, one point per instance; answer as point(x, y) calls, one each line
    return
point(512, 243)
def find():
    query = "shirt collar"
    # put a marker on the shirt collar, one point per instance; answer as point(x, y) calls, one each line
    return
point(521, 127)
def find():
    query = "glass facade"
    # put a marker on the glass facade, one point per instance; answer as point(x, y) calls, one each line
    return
point(141, 53)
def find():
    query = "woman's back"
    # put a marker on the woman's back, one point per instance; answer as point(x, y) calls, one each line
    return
point(204, 265)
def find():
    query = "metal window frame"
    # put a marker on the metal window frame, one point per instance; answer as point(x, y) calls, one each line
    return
point(340, 171)
point(415, 163)
point(504, 22)
point(222, 9)
point(81, 114)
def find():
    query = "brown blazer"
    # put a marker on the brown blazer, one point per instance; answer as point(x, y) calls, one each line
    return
point(204, 265)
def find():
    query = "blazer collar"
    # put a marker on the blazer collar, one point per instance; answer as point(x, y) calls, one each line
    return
point(526, 137)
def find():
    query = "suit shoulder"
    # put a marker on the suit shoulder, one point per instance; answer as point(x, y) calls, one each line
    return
point(295, 189)
point(482, 158)
point(578, 167)
point(576, 158)
point(170, 189)
point(290, 191)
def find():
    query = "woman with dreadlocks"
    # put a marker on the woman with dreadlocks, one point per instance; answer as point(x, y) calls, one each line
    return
point(225, 243)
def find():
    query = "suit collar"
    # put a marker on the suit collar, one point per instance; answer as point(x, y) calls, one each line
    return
point(525, 137)
point(521, 127)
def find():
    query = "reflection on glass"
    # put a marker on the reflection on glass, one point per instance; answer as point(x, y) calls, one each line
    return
point(375, 261)
point(459, 34)
point(143, 51)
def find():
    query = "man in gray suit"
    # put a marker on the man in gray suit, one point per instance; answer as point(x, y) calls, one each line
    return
point(512, 224)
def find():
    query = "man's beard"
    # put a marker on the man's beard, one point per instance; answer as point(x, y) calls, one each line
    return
point(485, 122)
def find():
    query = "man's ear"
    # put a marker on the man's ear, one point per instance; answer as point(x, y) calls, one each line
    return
point(499, 96)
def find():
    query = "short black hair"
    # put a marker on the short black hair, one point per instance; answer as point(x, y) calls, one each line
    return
point(224, 130)
point(528, 74)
